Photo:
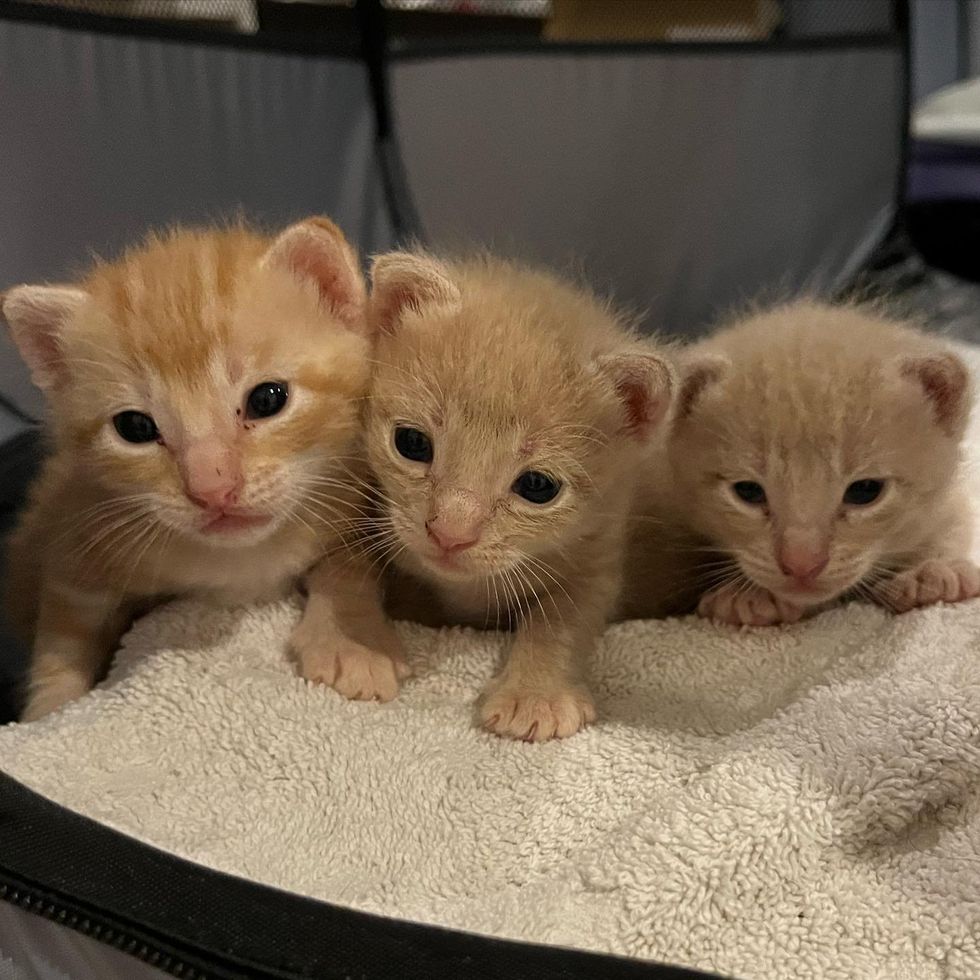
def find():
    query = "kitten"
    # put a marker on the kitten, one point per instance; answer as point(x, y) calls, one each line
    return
point(507, 415)
point(817, 450)
point(204, 395)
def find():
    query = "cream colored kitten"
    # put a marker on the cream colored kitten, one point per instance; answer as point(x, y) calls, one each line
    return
point(203, 396)
point(508, 413)
point(816, 449)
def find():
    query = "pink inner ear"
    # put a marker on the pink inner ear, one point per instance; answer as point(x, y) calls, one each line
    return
point(397, 300)
point(693, 385)
point(937, 386)
point(643, 410)
point(944, 382)
point(334, 280)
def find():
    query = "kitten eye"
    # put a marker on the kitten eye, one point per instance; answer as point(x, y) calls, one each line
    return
point(413, 444)
point(863, 492)
point(268, 398)
point(136, 427)
point(537, 487)
point(750, 492)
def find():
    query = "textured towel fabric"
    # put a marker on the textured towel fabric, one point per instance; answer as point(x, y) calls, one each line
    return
point(772, 803)
point(798, 802)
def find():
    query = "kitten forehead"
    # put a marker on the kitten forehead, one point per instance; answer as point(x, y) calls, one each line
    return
point(168, 303)
point(517, 352)
point(814, 396)
point(807, 373)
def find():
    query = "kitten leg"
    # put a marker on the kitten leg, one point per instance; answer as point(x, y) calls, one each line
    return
point(738, 604)
point(76, 633)
point(344, 639)
point(933, 580)
point(541, 693)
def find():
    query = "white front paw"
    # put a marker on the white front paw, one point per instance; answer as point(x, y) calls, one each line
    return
point(934, 580)
point(536, 715)
point(350, 668)
point(742, 604)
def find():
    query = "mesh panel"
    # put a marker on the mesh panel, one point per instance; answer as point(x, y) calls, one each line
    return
point(502, 8)
point(237, 15)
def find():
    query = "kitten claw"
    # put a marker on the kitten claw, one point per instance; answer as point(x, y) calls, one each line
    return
point(536, 716)
point(351, 669)
point(934, 580)
point(736, 605)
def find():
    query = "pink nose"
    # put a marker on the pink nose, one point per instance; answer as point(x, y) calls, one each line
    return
point(451, 539)
point(214, 497)
point(802, 564)
point(212, 473)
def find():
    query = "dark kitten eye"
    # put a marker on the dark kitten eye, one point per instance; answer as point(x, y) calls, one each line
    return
point(863, 492)
point(136, 427)
point(537, 487)
point(413, 444)
point(268, 398)
point(749, 491)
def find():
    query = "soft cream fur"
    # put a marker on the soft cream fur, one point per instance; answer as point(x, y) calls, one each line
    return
point(509, 370)
point(805, 399)
point(182, 328)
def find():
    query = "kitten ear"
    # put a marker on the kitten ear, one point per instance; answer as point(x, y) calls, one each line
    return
point(316, 250)
point(944, 379)
point(36, 317)
point(406, 280)
point(697, 374)
point(644, 383)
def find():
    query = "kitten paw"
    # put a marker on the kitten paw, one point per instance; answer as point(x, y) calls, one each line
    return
point(355, 671)
point(536, 716)
point(741, 605)
point(51, 693)
point(935, 580)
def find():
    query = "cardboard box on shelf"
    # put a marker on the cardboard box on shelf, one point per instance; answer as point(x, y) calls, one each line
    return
point(662, 20)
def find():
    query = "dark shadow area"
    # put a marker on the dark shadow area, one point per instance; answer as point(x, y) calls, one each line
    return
point(20, 459)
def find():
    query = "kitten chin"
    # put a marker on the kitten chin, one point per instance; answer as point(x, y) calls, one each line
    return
point(507, 416)
point(814, 456)
point(204, 394)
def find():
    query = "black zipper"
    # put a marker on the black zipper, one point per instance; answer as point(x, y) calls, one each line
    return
point(100, 929)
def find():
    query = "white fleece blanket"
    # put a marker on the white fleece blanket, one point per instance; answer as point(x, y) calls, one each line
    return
point(798, 802)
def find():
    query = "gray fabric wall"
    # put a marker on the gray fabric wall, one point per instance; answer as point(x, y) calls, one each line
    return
point(682, 182)
point(105, 136)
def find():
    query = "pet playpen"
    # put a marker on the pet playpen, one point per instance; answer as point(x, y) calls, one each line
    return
point(683, 175)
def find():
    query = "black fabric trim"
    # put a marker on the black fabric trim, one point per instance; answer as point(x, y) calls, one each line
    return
point(895, 245)
point(901, 15)
point(419, 50)
point(14, 410)
point(402, 213)
point(228, 927)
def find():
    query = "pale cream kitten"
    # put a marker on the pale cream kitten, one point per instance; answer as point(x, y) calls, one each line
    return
point(204, 393)
point(507, 417)
point(817, 450)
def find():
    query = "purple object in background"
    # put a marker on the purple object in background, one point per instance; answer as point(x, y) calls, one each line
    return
point(944, 155)
point(943, 172)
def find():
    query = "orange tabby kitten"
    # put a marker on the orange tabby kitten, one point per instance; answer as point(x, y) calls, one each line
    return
point(203, 396)
point(817, 450)
point(507, 416)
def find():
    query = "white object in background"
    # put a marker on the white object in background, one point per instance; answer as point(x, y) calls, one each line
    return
point(951, 115)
